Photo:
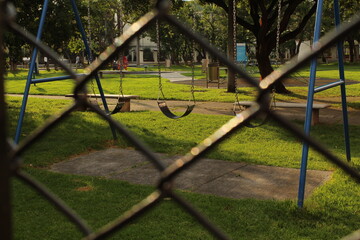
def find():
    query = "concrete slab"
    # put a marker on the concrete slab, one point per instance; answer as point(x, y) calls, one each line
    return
point(101, 163)
point(208, 176)
point(202, 172)
point(264, 182)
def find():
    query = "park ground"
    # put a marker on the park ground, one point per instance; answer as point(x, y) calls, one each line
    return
point(331, 211)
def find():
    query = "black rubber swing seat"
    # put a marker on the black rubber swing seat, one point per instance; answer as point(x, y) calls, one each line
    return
point(166, 111)
point(253, 125)
point(250, 124)
point(118, 107)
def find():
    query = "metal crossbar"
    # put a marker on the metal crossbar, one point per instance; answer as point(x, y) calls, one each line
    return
point(10, 161)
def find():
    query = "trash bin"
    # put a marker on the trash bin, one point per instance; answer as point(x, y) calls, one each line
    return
point(167, 63)
point(213, 72)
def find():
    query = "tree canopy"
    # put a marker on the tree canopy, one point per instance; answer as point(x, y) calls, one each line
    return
point(256, 21)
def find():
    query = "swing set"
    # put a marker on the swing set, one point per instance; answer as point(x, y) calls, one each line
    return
point(312, 109)
point(310, 106)
point(123, 101)
point(31, 77)
point(161, 96)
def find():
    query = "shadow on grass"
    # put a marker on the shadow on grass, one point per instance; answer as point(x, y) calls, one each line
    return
point(84, 131)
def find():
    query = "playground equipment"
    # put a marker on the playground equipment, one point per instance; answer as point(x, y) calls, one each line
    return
point(121, 99)
point(10, 160)
point(238, 106)
point(312, 90)
point(30, 78)
point(161, 96)
point(312, 110)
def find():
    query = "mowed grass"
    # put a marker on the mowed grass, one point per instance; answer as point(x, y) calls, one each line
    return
point(146, 86)
point(269, 144)
point(330, 213)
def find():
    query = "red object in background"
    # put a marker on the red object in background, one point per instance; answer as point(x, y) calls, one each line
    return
point(125, 62)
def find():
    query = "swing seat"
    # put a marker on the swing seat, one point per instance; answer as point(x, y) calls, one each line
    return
point(119, 107)
point(166, 111)
point(122, 105)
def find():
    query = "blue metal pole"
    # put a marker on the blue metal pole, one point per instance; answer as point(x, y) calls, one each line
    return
point(328, 86)
point(30, 73)
point(310, 100)
point(88, 52)
point(82, 31)
point(42, 80)
point(342, 86)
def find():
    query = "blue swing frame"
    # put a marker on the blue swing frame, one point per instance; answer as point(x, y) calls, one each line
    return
point(312, 90)
point(30, 78)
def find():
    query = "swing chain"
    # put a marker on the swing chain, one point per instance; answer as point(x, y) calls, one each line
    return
point(90, 45)
point(192, 69)
point(89, 24)
point(278, 32)
point(235, 53)
point(158, 56)
point(193, 55)
point(121, 61)
point(234, 30)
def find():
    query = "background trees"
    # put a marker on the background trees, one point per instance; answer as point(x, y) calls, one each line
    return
point(60, 29)
point(256, 25)
point(260, 18)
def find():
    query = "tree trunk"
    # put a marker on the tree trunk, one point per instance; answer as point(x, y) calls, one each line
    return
point(12, 65)
point(265, 69)
point(351, 42)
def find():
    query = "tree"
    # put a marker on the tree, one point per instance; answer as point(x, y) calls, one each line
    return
point(205, 19)
point(57, 28)
point(260, 18)
point(347, 10)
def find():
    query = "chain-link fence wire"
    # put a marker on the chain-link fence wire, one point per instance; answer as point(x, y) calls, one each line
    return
point(10, 162)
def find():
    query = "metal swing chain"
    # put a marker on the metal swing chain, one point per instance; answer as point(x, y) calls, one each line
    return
point(277, 49)
point(121, 65)
point(235, 56)
point(158, 58)
point(278, 32)
point(90, 45)
point(193, 55)
point(89, 24)
point(192, 72)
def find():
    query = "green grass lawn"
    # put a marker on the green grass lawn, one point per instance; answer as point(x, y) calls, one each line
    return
point(330, 213)
point(146, 86)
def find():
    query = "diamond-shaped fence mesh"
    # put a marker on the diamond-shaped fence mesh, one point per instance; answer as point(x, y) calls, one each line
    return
point(10, 159)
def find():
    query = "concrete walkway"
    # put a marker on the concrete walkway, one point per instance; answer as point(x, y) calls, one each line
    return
point(175, 76)
point(207, 176)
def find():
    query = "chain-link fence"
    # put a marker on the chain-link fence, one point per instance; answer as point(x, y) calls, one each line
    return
point(10, 158)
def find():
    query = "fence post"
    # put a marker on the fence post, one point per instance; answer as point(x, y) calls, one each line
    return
point(5, 174)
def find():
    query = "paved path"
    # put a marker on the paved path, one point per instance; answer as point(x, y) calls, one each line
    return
point(207, 176)
point(175, 76)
